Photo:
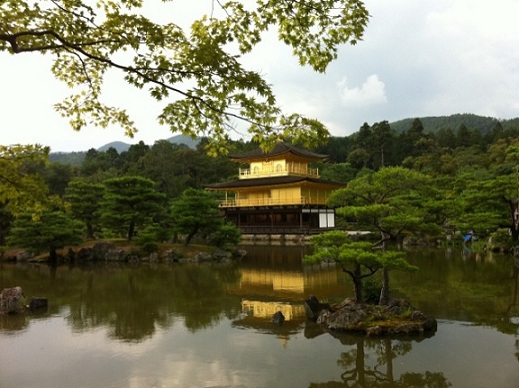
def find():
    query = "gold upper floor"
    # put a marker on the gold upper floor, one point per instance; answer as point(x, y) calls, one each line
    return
point(277, 168)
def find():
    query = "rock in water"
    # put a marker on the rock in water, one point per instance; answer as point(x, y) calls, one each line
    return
point(11, 300)
point(313, 307)
point(278, 318)
point(37, 303)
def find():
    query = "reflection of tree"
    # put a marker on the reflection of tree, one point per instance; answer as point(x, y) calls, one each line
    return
point(478, 289)
point(359, 373)
point(513, 302)
point(133, 301)
point(130, 301)
point(125, 300)
point(515, 286)
point(13, 322)
point(387, 352)
point(200, 295)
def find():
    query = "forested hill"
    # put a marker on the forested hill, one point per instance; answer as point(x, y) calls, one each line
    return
point(430, 125)
point(77, 158)
point(453, 122)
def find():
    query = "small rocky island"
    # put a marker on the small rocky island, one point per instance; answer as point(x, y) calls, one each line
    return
point(395, 318)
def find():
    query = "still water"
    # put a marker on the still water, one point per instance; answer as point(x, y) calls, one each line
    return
point(183, 325)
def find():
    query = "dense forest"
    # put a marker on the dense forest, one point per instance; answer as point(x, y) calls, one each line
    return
point(472, 184)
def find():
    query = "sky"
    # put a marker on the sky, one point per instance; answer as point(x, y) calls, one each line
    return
point(417, 59)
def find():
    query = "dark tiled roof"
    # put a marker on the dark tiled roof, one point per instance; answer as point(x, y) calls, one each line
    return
point(279, 149)
point(270, 181)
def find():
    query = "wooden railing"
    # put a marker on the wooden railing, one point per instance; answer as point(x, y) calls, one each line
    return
point(247, 173)
point(281, 229)
point(273, 201)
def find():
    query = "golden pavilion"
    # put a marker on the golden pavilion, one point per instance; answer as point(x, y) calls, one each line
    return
point(278, 193)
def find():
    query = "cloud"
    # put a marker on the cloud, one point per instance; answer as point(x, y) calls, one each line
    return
point(372, 92)
point(478, 44)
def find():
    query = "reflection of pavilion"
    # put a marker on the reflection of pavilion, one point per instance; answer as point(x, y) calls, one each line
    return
point(273, 279)
point(265, 291)
point(267, 309)
point(290, 282)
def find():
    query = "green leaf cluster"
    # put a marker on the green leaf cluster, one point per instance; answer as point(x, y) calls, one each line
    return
point(196, 212)
point(196, 74)
point(22, 189)
point(392, 201)
point(51, 231)
point(337, 246)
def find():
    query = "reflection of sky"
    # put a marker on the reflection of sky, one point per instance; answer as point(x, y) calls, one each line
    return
point(469, 356)
point(49, 354)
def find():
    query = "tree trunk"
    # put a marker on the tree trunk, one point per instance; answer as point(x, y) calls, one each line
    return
point(389, 359)
point(384, 292)
point(131, 231)
point(360, 363)
point(514, 217)
point(190, 236)
point(90, 230)
point(53, 256)
point(357, 282)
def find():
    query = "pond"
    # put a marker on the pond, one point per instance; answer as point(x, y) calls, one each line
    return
point(208, 325)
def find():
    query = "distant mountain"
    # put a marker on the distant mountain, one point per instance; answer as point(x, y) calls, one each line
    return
point(76, 158)
point(186, 140)
point(435, 123)
point(119, 146)
point(177, 139)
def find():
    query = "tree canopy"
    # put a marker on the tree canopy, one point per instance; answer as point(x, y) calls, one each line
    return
point(21, 187)
point(130, 203)
point(196, 211)
point(196, 74)
point(391, 201)
point(357, 259)
point(52, 231)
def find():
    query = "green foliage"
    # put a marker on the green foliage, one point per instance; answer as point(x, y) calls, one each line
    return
point(435, 124)
point(147, 239)
point(196, 211)
point(102, 164)
point(339, 172)
point(196, 74)
point(501, 238)
point(57, 176)
point(176, 167)
point(6, 219)
point(390, 201)
point(22, 188)
point(357, 258)
point(486, 201)
point(84, 199)
point(228, 234)
point(372, 290)
point(464, 188)
point(52, 231)
point(130, 203)
point(71, 158)
point(338, 247)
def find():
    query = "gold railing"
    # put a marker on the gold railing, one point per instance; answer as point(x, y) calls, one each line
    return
point(273, 201)
point(246, 173)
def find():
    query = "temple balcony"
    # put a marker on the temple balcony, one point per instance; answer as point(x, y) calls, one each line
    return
point(279, 170)
point(254, 202)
